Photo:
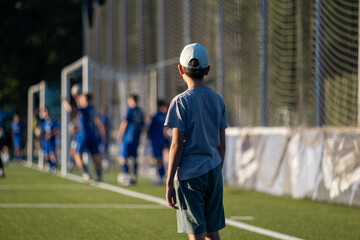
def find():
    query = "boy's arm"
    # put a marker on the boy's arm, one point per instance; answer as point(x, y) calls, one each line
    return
point(66, 104)
point(222, 148)
point(176, 149)
point(122, 130)
point(101, 128)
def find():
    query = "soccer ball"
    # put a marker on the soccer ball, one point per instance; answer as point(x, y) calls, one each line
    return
point(37, 132)
point(75, 90)
point(123, 179)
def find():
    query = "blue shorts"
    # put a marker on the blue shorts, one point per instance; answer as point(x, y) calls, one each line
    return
point(157, 151)
point(18, 143)
point(128, 149)
point(48, 147)
point(88, 143)
point(200, 202)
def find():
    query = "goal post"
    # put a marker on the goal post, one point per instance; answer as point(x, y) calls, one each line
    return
point(39, 88)
point(83, 64)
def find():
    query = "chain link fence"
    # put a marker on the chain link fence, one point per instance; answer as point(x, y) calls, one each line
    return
point(276, 63)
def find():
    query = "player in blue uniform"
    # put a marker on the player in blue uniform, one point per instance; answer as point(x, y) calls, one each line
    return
point(18, 136)
point(104, 117)
point(49, 130)
point(158, 140)
point(2, 142)
point(129, 136)
point(89, 126)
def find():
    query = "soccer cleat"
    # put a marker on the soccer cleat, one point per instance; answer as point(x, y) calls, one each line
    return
point(52, 170)
point(159, 182)
point(86, 178)
point(2, 173)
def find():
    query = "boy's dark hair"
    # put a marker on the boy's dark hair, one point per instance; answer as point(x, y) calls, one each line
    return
point(161, 103)
point(192, 72)
point(88, 97)
point(135, 97)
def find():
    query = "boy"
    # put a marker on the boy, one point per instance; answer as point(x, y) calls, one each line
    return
point(50, 130)
point(198, 119)
point(129, 136)
point(87, 136)
point(158, 141)
point(18, 137)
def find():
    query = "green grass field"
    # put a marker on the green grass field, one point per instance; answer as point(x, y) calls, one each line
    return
point(36, 205)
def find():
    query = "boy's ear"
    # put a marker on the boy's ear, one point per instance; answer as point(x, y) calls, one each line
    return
point(207, 70)
point(181, 71)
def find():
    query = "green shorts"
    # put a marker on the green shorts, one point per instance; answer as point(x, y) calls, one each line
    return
point(200, 202)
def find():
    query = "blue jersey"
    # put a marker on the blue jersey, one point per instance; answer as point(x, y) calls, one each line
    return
point(86, 122)
point(49, 126)
point(2, 119)
point(135, 119)
point(106, 122)
point(156, 130)
point(17, 129)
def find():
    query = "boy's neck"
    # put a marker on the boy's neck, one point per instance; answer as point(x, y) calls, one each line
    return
point(191, 83)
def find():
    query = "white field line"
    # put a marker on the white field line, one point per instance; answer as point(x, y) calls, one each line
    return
point(260, 230)
point(242, 218)
point(121, 190)
point(72, 205)
point(162, 202)
point(45, 187)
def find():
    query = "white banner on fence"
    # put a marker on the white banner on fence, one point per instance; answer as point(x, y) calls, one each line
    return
point(317, 163)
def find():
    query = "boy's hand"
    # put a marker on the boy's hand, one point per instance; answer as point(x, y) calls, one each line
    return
point(171, 196)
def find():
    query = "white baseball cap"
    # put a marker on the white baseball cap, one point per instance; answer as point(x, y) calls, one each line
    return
point(197, 51)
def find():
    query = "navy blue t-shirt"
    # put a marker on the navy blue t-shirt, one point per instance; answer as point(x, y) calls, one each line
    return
point(156, 130)
point(86, 122)
point(135, 119)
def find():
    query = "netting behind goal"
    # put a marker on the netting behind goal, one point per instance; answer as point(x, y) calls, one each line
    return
point(276, 63)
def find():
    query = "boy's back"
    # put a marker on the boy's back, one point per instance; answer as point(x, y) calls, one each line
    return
point(200, 114)
point(197, 152)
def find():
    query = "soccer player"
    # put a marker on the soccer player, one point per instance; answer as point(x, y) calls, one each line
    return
point(198, 119)
point(88, 139)
point(2, 142)
point(5, 142)
point(49, 131)
point(129, 136)
point(104, 117)
point(18, 137)
point(158, 141)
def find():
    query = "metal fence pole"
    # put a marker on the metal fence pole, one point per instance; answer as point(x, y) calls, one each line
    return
point(319, 76)
point(358, 70)
point(187, 21)
point(220, 50)
point(109, 55)
point(85, 27)
point(263, 62)
point(141, 52)
point(161, 47)
point(123, 56)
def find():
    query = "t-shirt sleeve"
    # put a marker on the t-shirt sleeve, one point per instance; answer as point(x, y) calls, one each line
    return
point(176, 116)
point(128, 115)
point(224, 123)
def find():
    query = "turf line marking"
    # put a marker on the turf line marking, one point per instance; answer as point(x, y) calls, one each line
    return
point(73, 205)
point(121, 190)
point(259, 230)
point(45, 187)
point(162, 202)
point(242, 218)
